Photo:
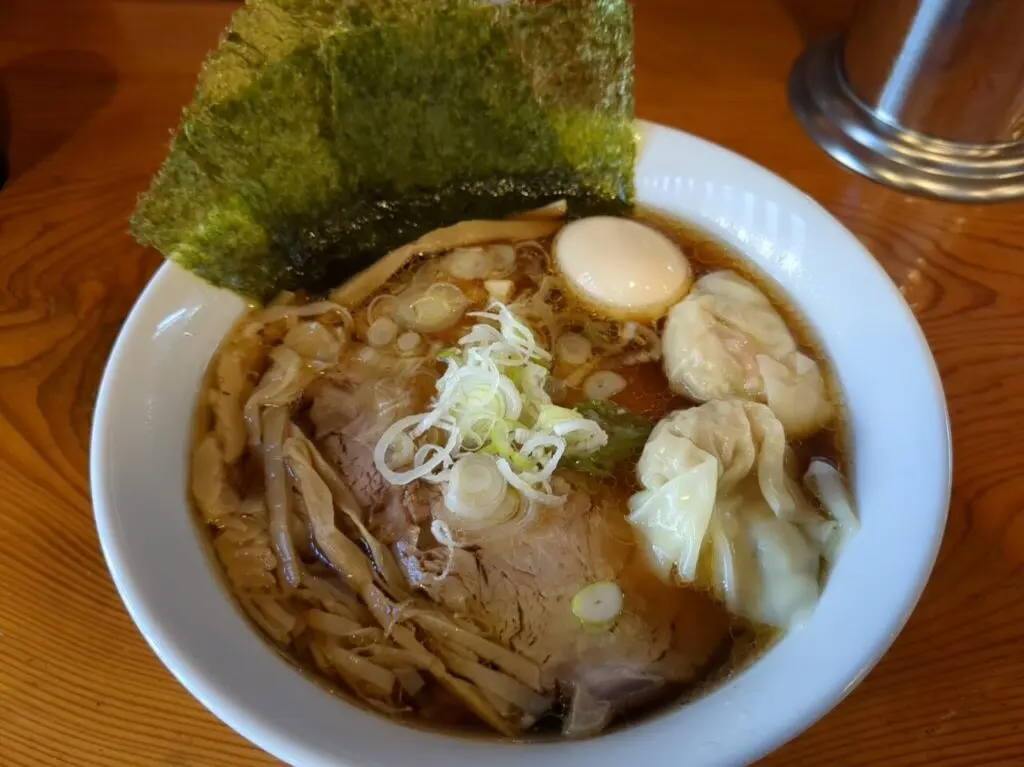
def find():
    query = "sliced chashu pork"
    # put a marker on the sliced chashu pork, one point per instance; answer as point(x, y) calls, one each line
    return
point(520, 588)
point(348, 417)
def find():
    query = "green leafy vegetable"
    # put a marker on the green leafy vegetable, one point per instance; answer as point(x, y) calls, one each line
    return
point(325, 133)
point(627, 435)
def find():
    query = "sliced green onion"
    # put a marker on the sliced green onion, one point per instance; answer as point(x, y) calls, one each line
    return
point(503, 259)
point(581, 435)
point(381, 306)
point(469, 263)
point(368, 355)
point(430, 308)
point(598, 604)
point(408, 341)
point(476, 488)
point(604, 384)
point(573, 348)
point(382, 332)
point(493, 403)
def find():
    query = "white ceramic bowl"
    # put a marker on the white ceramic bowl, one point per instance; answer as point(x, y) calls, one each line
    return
point(901, 458)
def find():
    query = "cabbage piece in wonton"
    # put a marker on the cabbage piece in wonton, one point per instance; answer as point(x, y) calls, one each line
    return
point(720, 508)
point(726, 340)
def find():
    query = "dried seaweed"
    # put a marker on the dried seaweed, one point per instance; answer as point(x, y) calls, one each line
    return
point(486, 91)
point(265, 32)
point(207, 229)
point(326, 132)
point(271, 144)
point(261, 33)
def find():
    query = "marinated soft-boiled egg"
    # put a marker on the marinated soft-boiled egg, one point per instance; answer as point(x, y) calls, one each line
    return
point(621, 267)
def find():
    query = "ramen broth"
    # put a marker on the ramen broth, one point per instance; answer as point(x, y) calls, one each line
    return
point(269, 604)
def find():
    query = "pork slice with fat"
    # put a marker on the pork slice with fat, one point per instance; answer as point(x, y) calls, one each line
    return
point(520, 586)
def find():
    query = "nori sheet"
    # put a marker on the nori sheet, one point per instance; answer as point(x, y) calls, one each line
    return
point(326, 132)
point(207, 228)
point(271, 144)
point(264, 32)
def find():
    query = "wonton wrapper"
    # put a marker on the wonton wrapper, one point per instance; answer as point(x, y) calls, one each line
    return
point(720, 508)
point(726, 340)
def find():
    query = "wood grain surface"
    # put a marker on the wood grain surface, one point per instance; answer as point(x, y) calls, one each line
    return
point(92, 89)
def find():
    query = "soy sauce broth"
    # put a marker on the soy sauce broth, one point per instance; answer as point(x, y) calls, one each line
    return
point(646, 394)
point(706, 254)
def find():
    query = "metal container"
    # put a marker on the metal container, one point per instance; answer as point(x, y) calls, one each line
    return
point(923, 95)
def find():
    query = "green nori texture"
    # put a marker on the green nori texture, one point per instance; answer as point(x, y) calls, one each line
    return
point(326, 132)
point(271, 146)
point(264, 32)
point(206, 228)
point(261, 33)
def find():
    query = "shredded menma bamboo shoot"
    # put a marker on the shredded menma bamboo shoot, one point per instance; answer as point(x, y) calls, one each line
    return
point(365, 629)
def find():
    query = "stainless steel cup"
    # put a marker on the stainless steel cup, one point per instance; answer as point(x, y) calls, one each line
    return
point(923, 95)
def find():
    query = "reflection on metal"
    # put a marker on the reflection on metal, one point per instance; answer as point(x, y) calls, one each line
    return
point(923, 95)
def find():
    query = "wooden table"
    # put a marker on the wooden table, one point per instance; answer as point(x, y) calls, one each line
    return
point(94, 87)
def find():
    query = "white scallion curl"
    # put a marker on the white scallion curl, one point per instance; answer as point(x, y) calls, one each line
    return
point(528, 492)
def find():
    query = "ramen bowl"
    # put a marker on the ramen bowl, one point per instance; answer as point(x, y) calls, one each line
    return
point(899, 448)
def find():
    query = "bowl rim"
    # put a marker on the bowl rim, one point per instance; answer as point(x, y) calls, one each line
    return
point(274, 737)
